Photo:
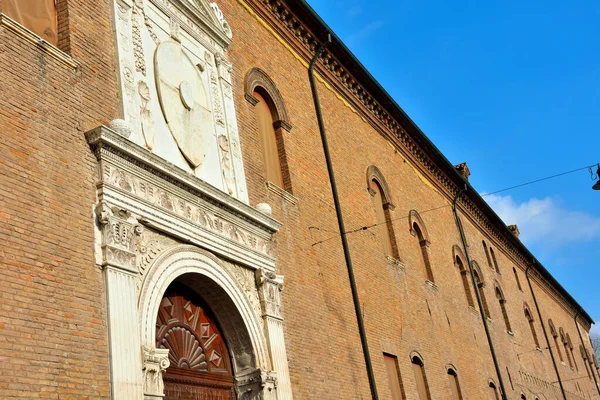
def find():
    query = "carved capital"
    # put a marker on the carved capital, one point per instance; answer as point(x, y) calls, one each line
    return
point(257, 385)
point(118, 229)
point(269, 287)
point(156, 361)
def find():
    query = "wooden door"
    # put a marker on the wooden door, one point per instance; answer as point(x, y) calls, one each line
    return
point(200, 365)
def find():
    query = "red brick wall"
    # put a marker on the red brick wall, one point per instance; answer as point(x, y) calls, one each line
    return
point(402, 312)
point(53, 341)
point(52, 317)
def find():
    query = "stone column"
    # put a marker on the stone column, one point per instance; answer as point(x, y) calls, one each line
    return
point(118, 230)
point(156, 361)
point(269, 288)
point(257, 385)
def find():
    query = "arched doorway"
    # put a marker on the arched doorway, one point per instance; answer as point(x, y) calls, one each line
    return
point(200, 365)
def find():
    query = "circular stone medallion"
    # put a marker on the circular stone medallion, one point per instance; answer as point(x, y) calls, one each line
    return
point(186, 93)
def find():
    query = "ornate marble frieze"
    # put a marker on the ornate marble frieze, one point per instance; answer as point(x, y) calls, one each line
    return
point(269, 288)
point(257, 385)
point(118, 230)
point(175, 83)
point(141, 188)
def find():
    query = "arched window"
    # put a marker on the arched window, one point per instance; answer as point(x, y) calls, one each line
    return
point(420, 377)
point(454, 385)
point(272, 121)
point(487, 254)
point(493, 391)
point(394, 378)
point(563, 339)
point(480, 287)
point(494, 260)
point(517, 279)
point(585, 360)
point(417, 229)
point(554, 334)
point(268, 139)
point(570, 346)
point(464, 274)
point(380, 194)
point(529, 317)
point(502, 302)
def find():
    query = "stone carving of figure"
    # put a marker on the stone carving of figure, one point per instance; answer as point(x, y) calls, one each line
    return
point(226, 165)
point(145, 115)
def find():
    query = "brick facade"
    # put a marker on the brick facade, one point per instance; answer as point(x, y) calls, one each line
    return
point(53, 329)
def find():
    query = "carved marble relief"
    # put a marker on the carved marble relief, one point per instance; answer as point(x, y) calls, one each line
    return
point(184, 208)
point(173, 98)
point(183, 101)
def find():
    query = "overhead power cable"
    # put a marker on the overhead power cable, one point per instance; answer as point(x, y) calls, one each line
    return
point(539, 180)
point(367, 227)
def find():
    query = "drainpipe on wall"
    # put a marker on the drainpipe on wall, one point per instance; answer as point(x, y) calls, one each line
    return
point(338, 211)
point(586, 353)
point(562, 389)
point(479, 302)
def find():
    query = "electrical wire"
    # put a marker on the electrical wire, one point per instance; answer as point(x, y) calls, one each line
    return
point(538, 180)
point(367, 227)
point(364, 228)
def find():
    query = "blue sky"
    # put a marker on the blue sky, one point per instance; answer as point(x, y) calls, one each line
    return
point(513, 89)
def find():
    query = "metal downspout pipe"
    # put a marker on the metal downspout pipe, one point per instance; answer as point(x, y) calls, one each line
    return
point(586, 353)
point(338, 211)
point(479, 302)
point(562, 389)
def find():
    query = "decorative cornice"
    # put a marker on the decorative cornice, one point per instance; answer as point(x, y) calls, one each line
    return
point(103, 137)
point(297, 23)
point(43, 45)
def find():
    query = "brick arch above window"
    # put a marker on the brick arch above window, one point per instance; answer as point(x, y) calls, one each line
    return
point(415, 354)
point(451, 367)
point(498, 291)
point(457, 252)
point(561, 332)
point(478, 273)
point(258, 81)
point(582, 351)
point(553, 331)
point(415, 218)
point(374, 174)
point(527, 311)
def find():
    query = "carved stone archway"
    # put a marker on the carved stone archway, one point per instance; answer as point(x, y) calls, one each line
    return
point(241, 327)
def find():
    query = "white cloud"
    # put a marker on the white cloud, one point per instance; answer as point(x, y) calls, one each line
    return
point(364, 32)
point(353, 11)
point(546, 221)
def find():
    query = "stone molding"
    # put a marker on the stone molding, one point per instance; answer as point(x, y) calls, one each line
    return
point(457, 252)
point(269, 288)
point(185, 259)
point(257, 385)
point(43, 45)
point(284, 194)
point(415, 217)
point(118, 237)
point(257, 78)
point(392, 123)
point(167, 199)
point(252, 348)
point(374, 174)
point(199, 18)
point(156, 361)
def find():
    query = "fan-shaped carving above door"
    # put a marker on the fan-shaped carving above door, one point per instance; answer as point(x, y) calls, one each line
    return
point(198, 355)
